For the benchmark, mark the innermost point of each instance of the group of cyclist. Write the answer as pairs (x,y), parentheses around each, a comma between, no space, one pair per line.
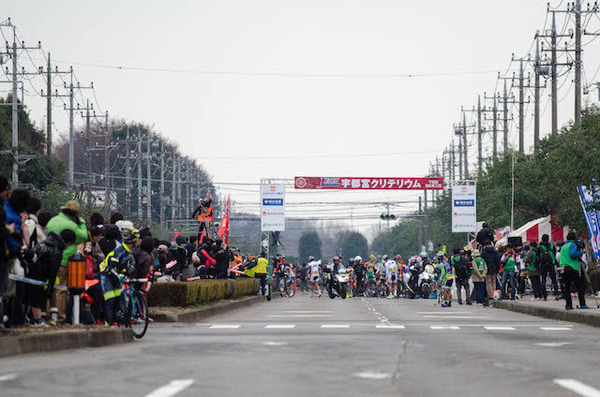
(382,276)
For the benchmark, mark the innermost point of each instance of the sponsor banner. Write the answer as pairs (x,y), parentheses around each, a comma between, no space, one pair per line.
(356,183)
(464,209)
(272,208)
(589,198)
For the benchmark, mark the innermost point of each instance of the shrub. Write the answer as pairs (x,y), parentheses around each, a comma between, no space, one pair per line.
(200,292)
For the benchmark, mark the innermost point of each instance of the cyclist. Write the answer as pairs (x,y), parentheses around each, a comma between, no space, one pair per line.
(447,279)
(391,270)
(112,271)
(359,271)
(314,270)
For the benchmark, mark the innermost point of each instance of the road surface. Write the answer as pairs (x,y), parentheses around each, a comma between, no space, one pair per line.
(320,347)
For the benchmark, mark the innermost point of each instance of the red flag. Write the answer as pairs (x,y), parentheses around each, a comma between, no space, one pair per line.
(224,228)
(176,234)
(202,236)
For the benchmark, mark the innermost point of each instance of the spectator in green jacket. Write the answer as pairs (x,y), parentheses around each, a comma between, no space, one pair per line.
(570,262)
(68,218)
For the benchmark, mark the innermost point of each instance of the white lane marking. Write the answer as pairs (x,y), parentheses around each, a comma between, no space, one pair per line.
(556,329)
(8,377)
(335,325)
(446,312)
(577,387)
(225,326)
(553,344)
(372,375)
(390,326)
(172,388)
(383,319)
(298,315)
(493,328)
(458,317)
(280,326)
(270,343)
(444,327)
(310,311)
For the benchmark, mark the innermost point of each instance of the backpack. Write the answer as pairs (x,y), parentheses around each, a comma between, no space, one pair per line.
(460,267)
(545,259)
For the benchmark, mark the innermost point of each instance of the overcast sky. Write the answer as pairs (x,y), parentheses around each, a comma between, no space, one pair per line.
(281,88)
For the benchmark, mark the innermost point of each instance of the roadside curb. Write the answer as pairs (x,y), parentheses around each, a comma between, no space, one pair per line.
(205,312)
(587,317)
(62,340)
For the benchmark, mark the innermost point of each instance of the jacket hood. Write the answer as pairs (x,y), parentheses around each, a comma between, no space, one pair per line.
(55,241)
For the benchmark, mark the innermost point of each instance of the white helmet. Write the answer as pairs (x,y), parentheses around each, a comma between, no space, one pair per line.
(358,259)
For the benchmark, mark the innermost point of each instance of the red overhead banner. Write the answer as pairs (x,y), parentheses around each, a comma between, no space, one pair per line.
(355,183)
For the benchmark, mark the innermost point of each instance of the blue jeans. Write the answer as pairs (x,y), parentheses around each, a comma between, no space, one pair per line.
(479,291)
(506,275)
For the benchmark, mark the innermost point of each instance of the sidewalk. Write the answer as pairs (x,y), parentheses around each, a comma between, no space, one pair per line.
(554,309)
(39,340)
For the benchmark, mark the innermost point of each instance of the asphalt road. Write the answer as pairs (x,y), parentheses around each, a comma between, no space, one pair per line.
(320,347)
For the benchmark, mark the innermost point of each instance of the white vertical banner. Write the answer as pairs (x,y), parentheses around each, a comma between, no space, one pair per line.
(272,208)
(464,209)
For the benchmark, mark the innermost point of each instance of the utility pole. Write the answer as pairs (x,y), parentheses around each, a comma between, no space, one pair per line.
(538,72)
(420,225)
(49,109)
(425,222)
(521,109)
(107,136)
(479,139)
(578,63)
(465,146)
(127,174)
(575,8)
(174,187)
(88,153)
(14,54)
(553,36)
(140,213)
(162,189)
(149,187)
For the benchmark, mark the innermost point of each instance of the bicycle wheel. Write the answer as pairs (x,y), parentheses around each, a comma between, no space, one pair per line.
(290,289)
(140,319)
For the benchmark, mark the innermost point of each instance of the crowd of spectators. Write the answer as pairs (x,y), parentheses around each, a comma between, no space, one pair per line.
(36,246)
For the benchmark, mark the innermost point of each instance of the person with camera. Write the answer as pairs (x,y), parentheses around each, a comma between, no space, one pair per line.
(570,261)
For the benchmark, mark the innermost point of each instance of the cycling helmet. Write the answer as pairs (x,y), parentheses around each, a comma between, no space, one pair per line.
(129,235)
(372,257)
(336,258)
(311,258)
(440,255)
(398,257)
(384,258)
(424,255)
(412,260)
(358,259)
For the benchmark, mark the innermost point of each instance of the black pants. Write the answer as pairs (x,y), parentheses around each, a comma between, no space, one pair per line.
(571,275)
(535,284)
(549,271)
(263,282)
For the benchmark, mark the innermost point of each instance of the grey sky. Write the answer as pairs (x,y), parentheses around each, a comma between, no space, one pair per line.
(331,91)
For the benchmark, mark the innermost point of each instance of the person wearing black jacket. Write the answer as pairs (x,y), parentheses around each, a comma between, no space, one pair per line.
(492,261)
(484,235)
(43,262)
(223,256)
(547,266)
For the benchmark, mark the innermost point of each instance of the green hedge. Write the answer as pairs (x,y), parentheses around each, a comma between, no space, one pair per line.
(201,291)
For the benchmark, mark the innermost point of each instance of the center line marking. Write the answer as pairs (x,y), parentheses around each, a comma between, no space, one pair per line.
(171,389)
(335,325)
(444,327)
(556,329)
(225,326)
(577,387)
(7,377)
(391,326)
(280,326)
(491,328)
